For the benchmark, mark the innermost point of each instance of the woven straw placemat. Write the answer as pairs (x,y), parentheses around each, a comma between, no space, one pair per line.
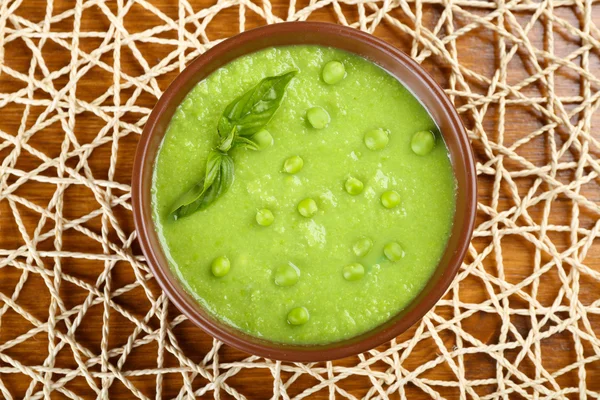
(81,316)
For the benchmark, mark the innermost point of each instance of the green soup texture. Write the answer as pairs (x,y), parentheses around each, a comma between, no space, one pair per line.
(377,225)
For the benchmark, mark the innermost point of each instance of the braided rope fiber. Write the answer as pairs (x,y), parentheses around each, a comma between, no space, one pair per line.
(80,314)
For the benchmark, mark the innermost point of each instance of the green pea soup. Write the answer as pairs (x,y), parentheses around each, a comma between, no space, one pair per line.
(335,225)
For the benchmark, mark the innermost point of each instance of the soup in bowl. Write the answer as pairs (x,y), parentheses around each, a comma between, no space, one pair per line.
(304,191)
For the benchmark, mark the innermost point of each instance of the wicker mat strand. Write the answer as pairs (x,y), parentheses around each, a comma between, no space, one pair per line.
(80,315)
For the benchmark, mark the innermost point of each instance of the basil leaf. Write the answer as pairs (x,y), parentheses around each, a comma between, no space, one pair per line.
(227,141)
(218,179)
(246,143)
(182,204)
(241,119)
(233,113)
(213,164)
(253,110)
(220,185)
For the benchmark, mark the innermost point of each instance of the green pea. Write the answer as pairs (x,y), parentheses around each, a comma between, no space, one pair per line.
(353,272)
(333,72)
(390,199)
(293,165)
(362,246)
(307,207)
(286,275)
(264,217)
(263,139)
(422,143)
(298,316)
(354,186)
(220,266)
(376,139)
(393,251)
(318,117)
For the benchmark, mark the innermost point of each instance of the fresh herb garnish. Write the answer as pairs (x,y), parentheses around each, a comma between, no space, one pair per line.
(242,118)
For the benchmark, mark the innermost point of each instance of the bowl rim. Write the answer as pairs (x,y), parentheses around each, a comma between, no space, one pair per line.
(169,283)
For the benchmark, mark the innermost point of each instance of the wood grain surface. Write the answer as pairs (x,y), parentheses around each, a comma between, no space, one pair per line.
(476,51)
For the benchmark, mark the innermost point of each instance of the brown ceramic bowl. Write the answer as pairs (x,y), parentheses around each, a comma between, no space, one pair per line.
(396,63)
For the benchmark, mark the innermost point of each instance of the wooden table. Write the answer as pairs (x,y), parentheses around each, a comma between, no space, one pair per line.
(58,145)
